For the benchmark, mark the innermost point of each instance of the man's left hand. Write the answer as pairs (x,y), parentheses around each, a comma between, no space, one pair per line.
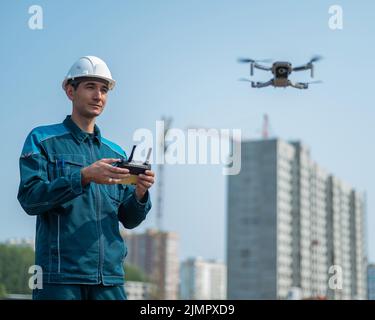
(144,182)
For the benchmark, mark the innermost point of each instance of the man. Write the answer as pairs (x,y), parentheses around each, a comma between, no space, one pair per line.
(69,182)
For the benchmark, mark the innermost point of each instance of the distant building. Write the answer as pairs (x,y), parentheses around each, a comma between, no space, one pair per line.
(294,293)
(23,242)
(18,297)
(292,227)
(371,281)
(203,280)
(136,290)
(155,253)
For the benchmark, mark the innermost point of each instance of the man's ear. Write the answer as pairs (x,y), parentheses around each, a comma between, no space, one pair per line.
(69,90)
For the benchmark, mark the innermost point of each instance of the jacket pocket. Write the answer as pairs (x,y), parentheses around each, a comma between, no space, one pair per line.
(63,165)
(114,192)
(112,197)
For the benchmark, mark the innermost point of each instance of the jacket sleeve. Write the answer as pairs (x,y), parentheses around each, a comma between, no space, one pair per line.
(132,212)
(36,193)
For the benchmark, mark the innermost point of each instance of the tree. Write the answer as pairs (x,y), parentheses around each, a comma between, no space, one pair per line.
(3,292)
(133,273)
(15,262)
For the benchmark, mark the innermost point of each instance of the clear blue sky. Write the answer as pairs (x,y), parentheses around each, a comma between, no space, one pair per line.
(179,58)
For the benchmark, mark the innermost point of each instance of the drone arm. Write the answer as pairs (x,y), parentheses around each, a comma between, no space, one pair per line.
(301,68)
(306,67)
(261,84)
(259,66)
(299,85)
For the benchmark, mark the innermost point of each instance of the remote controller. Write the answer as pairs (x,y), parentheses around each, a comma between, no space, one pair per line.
(135,167)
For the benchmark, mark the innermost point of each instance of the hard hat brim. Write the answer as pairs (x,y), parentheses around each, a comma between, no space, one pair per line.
(111,83)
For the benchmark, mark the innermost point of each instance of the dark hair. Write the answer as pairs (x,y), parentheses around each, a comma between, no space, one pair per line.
(75,82)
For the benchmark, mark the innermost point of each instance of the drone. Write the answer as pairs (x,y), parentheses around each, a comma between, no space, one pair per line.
(281,71)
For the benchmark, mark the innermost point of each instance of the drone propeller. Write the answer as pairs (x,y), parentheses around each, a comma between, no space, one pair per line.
(314,82)
(248,60)
(315,58)
(245,60)
(244,79)
(265,60)
(309,65)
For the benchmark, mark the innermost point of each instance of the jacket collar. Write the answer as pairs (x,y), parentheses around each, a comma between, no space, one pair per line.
(78,134)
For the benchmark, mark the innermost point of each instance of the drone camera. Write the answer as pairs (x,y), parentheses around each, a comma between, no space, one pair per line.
(281,72)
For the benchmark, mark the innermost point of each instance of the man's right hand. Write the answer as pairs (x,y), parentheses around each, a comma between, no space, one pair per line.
(102,172)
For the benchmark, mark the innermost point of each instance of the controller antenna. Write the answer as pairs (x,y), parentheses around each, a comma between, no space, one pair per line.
(148,156)
(131,154)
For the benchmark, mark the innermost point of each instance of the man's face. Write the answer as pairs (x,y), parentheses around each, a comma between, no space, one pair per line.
(89,98)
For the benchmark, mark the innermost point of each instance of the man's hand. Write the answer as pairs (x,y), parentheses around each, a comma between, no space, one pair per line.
(144,182)
(103,172)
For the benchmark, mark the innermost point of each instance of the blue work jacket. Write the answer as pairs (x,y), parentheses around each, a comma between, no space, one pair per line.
(77,228)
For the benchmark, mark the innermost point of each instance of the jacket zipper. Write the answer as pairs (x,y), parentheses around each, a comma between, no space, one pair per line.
(98,201)
(58,226)
(58,244)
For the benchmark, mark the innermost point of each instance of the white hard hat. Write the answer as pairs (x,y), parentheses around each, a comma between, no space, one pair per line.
(89,66)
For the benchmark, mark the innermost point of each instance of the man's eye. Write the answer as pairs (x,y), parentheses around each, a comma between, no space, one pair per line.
(104,90)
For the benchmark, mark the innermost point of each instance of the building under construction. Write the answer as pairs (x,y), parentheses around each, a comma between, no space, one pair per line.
(155,253)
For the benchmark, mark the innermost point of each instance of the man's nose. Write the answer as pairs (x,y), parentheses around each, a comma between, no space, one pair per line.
(97,94)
